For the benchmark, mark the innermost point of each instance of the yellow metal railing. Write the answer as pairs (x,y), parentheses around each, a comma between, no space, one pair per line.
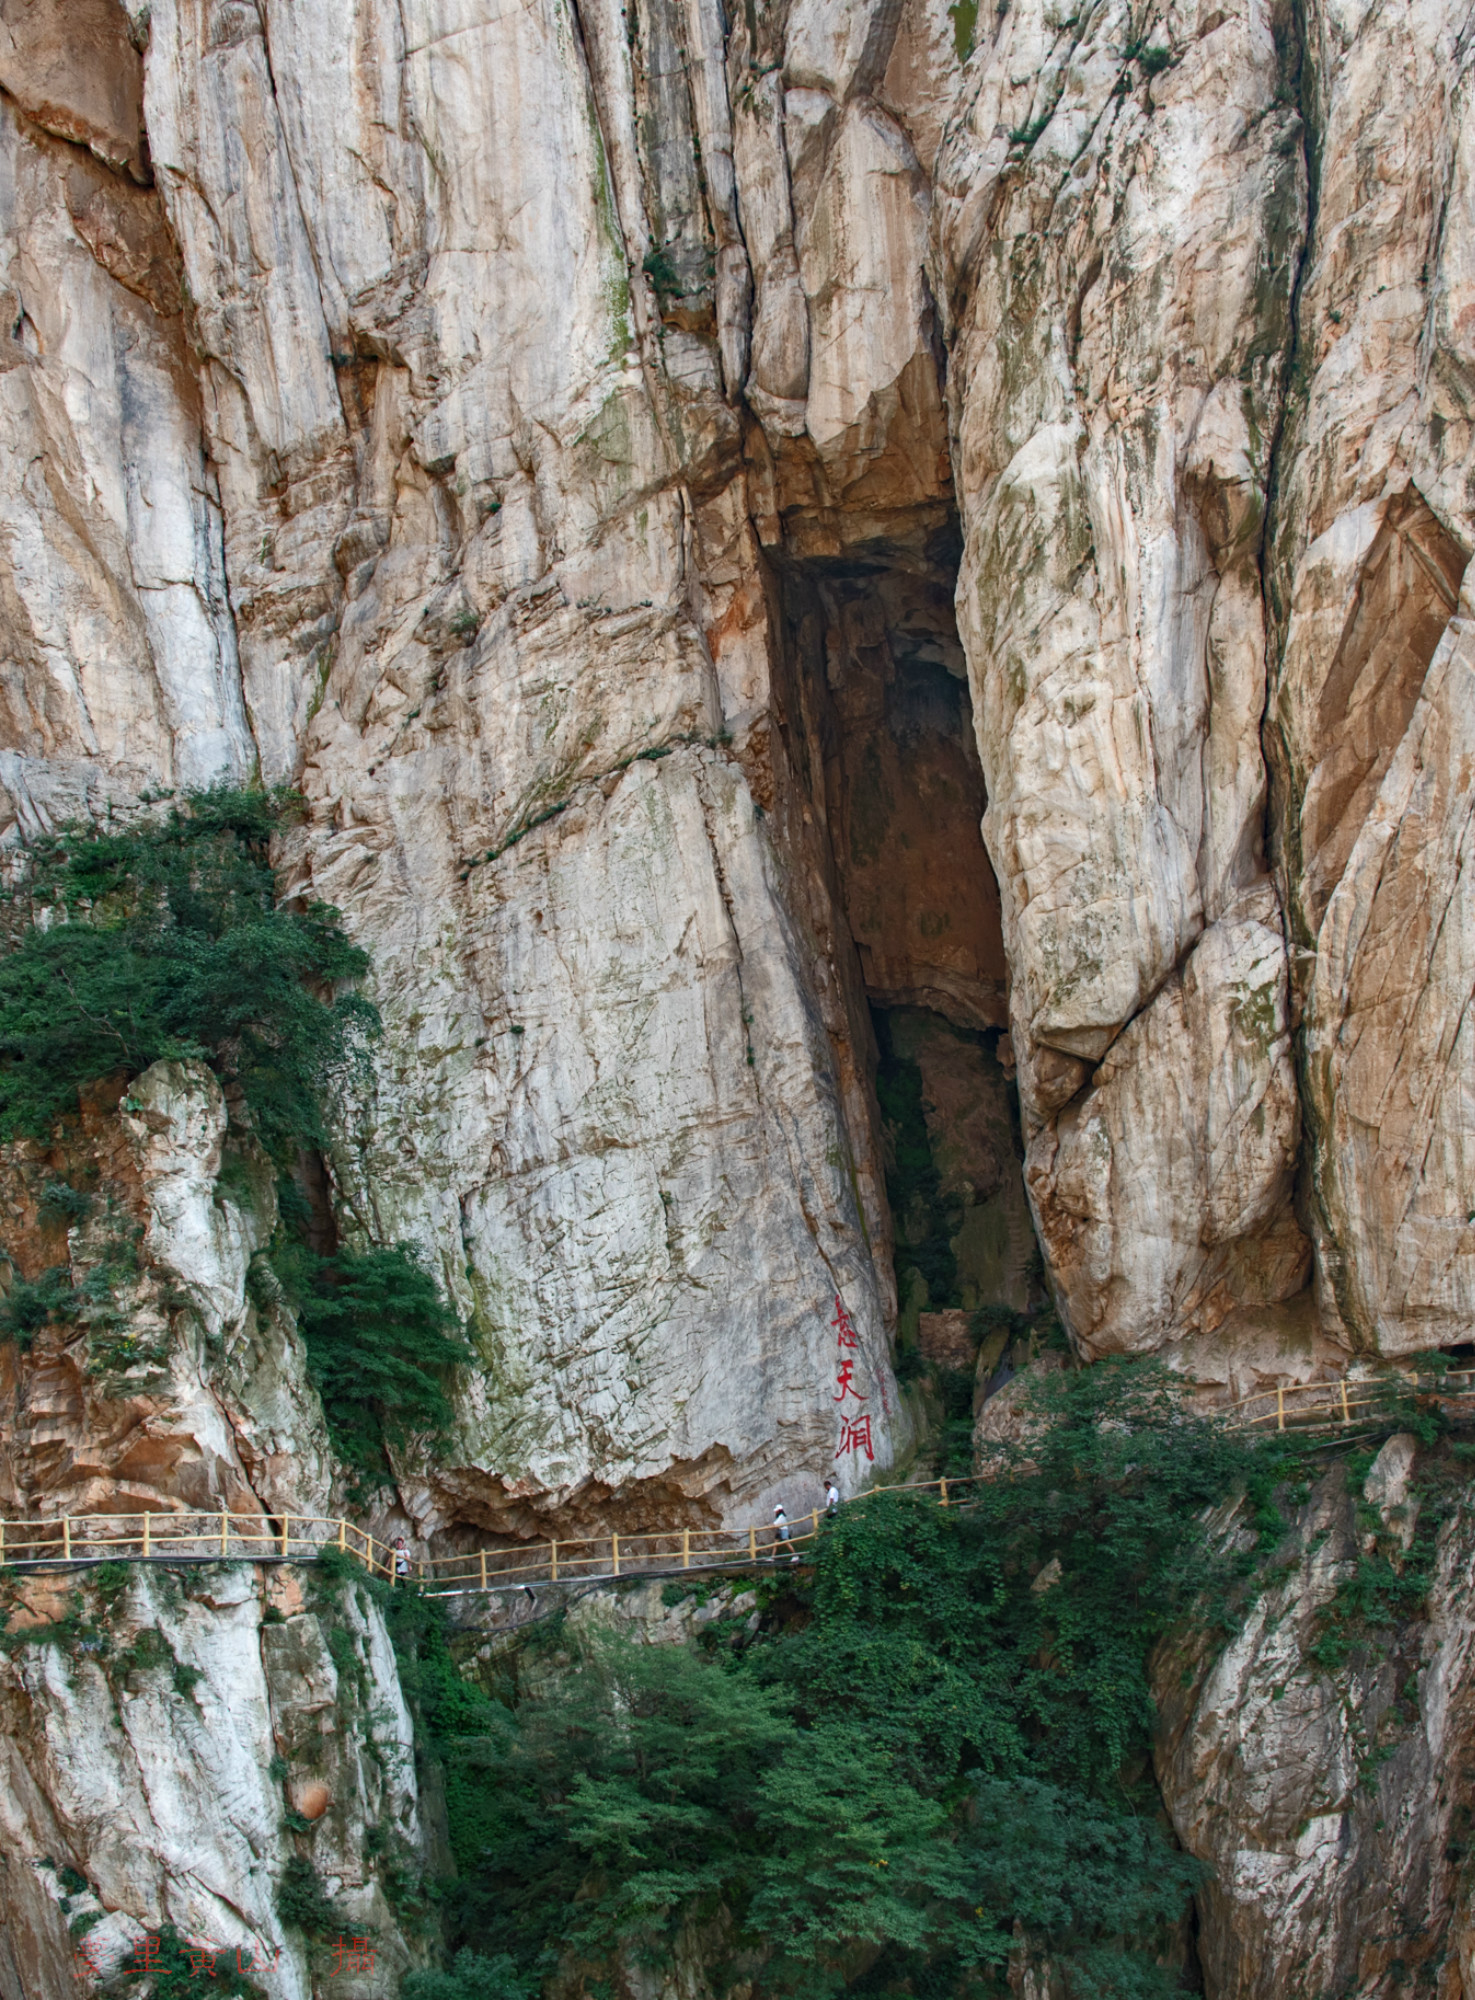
(172,1537)
(1336,1405)
(167,1536)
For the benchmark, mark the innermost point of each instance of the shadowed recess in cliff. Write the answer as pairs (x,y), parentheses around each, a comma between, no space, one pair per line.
(882,687)
(878,717)
(963,1235)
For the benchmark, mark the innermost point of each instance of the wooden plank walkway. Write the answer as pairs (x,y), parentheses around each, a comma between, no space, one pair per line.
(1347,1403)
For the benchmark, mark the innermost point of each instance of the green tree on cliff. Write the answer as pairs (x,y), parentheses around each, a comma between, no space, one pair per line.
(161,935)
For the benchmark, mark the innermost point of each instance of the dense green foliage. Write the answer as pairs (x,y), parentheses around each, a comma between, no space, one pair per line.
(162,936)
(381,1342)
(175,1968)
(934,1753)
(303,1902)
(955,1434)
(470,1978)
(31,1303)
(61,1204)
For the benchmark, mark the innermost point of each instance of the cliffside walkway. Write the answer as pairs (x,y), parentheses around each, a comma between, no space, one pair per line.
(1349,1403)
(77,1539)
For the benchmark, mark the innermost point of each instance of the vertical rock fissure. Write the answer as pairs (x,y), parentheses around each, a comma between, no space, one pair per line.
(1276,613)
(879,731)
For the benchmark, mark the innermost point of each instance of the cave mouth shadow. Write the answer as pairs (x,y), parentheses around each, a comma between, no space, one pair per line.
(878,723)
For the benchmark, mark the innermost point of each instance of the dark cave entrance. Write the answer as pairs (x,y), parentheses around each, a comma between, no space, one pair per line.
(878,725)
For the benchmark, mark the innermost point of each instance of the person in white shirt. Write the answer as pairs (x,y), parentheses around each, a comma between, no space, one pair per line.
(832,1498)
(781,1531)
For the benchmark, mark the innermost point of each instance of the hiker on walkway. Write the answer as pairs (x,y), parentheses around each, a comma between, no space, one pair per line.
(781,1532)
(832,1498)
(401,1561)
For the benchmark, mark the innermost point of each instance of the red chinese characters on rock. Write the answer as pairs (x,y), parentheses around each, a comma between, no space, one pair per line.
(855,1425)
(855,1436)
(355,1956)
(845,1383)
(151,1954)
(845,1333)
(145,1954)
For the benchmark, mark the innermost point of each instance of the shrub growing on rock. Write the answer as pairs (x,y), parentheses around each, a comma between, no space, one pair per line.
(381,1342)
(162,936)
(31,1304)
(175,1967)
(470,1978)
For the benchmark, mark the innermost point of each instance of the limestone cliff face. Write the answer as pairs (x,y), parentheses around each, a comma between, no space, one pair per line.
(1326,1791)
(544,436)
(159,1745)
(656,478)
(1194,479)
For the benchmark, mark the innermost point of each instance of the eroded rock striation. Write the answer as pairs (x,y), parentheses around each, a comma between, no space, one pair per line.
(161,1741)
(733,521)
(552,439)
(1315,1762)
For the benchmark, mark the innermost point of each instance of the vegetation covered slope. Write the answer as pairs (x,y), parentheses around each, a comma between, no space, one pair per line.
(162,934)
(933,1756)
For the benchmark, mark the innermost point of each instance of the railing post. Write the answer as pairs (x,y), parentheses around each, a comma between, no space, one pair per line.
(286,1534)
(1346,1413)
(66,1538)
(483,1569)
(943,1484)
(343,1536)
(1280,1408)
(615,1546)
(752,1545)
(224,1533)
(145,1534)
(2,1545)
(553,1559)
(685,1547)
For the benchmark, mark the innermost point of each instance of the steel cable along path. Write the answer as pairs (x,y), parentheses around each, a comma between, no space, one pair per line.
(81,1539)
